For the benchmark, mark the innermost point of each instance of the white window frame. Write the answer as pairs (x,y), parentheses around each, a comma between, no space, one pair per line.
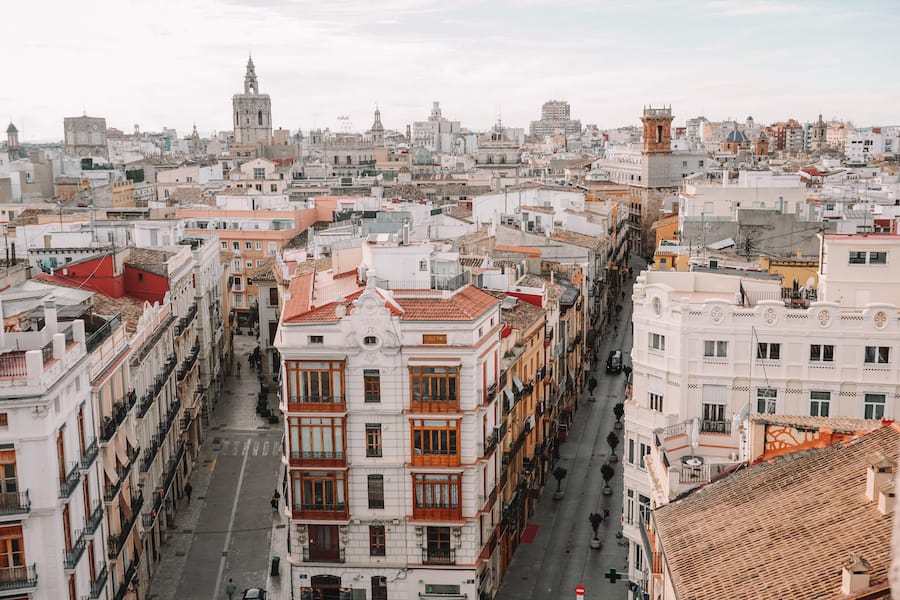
(715,349)
(820,355)
(819,399)
(765,351)
(770,397)
(876,355)
(655,401)
(657,342)
(872,408)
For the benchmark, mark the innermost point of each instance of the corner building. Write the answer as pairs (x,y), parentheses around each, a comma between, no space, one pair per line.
(392,470)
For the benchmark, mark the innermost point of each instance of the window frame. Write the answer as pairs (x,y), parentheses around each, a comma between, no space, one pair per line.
(877,355)
(440,437)
(767,394)
(655,401)
(870,402)
(377,542)
(766,350)
(371,385)
(816,404)
(437,495)
(443,388)
(375,490)
(822,355)
(373,440)
(657,341)
(715,349)
(305,376)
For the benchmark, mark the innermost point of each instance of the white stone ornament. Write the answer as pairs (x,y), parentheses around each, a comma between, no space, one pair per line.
(880,319)
(770,316)
(824,318)
(716,314)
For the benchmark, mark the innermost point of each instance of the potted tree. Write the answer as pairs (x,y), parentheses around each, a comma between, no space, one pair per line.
(595,520)
(607,472)
(559,473)
(619,412)
(613,440)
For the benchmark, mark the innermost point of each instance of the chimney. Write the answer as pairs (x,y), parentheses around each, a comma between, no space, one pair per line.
(886,498)
(50,322)
(854,575)
(878,473)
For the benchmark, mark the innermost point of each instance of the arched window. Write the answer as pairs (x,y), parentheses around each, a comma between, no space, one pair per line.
(259,118)
(237,118)
(659,134)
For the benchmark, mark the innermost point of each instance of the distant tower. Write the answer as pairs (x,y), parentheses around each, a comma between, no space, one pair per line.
(12,137)
(252,112)
(762,144)
(435,111)
(657,130)
(195,141)
(378,130)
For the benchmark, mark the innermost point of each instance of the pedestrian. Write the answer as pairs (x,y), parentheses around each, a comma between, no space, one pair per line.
(275,498)
(230,589)
(187,491)
(239,369)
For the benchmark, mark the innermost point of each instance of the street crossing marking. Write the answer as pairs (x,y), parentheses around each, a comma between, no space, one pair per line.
(248,447)
(255,448)
(265,450)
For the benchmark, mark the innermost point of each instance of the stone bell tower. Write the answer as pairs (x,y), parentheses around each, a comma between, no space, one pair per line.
(252,112)
(657,130)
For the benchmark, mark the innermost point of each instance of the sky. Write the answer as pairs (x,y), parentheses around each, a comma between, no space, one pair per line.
(175,63)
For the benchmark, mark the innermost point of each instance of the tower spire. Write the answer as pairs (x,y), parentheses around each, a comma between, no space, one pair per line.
(251,84)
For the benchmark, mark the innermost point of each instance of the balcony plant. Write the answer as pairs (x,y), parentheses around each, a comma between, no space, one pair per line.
(607,472)
(619,412)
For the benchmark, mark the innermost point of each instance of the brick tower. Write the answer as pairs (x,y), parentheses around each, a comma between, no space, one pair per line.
(657,130)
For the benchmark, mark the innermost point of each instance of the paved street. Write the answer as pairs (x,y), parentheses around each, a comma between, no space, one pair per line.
(226,530)
(560,557)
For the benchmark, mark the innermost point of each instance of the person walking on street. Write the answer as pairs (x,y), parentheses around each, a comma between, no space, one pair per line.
(275,498)
(187,491)
(230,589)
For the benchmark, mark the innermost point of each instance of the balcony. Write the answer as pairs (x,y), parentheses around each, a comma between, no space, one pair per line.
(437,512)
(316,404)
(490,444)
(332,555)
(324,459)
(102,332)
(72,556)
(337,511)
(126,580)
(431,404)
(18,578)
(68,483)
(93,521)
(182,325)
(99,583)
(715,427)
(111,423)
(89,455)
(116,542)
(14,503)
(491,393)
(189,362)
(435,556)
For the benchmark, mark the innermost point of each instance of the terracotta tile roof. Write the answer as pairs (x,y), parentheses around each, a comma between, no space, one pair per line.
(522,317)
(467,304)
(526,250)
(130,308)
(780,529)
(837,424)
(308,266)
(266,270)
(225,257)
(554,290)
(576,239)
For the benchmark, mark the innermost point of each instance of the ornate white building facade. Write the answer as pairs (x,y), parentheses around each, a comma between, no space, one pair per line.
(711,348)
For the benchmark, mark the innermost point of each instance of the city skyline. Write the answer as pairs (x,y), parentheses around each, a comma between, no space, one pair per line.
(720,59)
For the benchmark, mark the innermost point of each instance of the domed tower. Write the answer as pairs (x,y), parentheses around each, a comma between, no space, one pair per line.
(378,130)
(252,112)
(12,137)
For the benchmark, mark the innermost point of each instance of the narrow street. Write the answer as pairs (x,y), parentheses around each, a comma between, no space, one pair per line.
(226,530)
(561,557)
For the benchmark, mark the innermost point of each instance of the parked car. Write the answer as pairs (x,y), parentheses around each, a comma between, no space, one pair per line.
(614,362)
(254,594)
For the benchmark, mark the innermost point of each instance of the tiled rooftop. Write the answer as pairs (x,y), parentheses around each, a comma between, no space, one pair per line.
(780,529)
(522,317)
(837,424)
(576,239)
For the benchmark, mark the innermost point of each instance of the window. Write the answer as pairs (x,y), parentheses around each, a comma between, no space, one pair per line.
(434,388)
(434,338)
(436,494)
(376,491)
(317,339)
(438,549)
(629,506)
(878,354)
(766,400)
(821,353)
(376,546)
(656,402)
(379,588)
(4,420)
(373,439)
(423,265)
(236,245)
(715,398)
(248,245)
(316,438)
(861,257)
(819,404)
(273,187)
(435,441)
(372,385)
(273,296)
(238,300)
(258,245)
(315,382)
(657,342)
(272,248)
(644,451)
(370,340)
(259,173)
(873,407)
(319,491)
(768,351)
(644,508)
(224,245)
(631,450)
(715,349)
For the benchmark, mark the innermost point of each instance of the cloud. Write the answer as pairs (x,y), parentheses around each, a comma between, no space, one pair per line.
(740,8)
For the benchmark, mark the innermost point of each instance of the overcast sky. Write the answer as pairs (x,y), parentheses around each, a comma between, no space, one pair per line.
(178,62)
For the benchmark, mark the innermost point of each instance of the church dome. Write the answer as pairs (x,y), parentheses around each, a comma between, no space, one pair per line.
(737,136)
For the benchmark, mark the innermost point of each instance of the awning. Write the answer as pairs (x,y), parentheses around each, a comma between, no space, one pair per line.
(509,396)
(517,383)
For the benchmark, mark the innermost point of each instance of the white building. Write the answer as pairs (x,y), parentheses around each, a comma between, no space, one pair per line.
(389,429)
(862,145)
(53,542)
(710,348)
